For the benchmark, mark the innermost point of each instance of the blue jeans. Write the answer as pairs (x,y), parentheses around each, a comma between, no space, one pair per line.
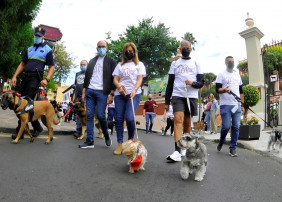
(96,100)
(78,126)
(111,113)
(149,116)
(208,120)
(226,115)
(124,112)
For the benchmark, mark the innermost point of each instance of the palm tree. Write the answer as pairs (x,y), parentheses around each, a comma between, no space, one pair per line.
(189,37)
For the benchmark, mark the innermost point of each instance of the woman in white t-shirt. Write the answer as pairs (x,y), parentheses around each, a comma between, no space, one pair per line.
(128,77)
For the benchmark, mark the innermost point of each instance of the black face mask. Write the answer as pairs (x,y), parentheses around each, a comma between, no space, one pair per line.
(149,99)
(185,52)
(230,65)
(129,55)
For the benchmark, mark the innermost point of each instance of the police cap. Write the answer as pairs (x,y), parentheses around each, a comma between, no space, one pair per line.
(39,31)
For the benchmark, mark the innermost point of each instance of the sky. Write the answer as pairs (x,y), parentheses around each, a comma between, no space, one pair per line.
(214,23)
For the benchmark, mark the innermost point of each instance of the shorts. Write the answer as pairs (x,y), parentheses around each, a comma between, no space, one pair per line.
(179,104)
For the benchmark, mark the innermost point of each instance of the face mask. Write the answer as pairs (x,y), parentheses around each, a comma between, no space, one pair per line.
(230,65)
(83,68)
(150,99)
(185,52)
(129,55)
(37,40)
(102,51)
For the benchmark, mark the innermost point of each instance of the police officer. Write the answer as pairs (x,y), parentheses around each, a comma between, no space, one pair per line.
(32,66)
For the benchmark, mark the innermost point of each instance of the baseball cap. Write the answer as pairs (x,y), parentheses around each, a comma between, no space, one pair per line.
(39,31)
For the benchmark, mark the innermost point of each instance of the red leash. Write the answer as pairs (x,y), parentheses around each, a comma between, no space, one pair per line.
(68,112)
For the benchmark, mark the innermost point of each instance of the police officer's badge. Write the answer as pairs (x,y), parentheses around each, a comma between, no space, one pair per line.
(30,50)
(39,29)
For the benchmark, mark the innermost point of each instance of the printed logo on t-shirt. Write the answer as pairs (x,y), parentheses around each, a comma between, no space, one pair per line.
(128,72)
(182,69)
(80,79)
(231,80)
(98,68)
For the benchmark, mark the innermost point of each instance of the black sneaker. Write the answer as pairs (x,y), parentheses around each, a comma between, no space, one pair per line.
(14,136)
(87,145)
(233,152)
(219,146)
(108,141)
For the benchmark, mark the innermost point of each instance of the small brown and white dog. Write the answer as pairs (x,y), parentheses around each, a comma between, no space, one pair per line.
(80,110)
(136,154)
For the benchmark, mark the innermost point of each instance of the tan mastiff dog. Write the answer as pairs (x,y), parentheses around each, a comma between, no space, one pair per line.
(41,109)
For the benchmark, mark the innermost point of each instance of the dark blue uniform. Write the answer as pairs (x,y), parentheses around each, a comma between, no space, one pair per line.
(35,59)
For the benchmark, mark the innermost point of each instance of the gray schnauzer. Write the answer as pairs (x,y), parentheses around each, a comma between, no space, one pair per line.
(196,157)
(275,139)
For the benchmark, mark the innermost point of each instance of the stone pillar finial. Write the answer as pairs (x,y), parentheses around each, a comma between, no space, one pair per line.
(249,21)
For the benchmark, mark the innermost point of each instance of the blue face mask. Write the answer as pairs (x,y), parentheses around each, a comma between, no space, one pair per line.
(37,40)
(83,68)
(102,51)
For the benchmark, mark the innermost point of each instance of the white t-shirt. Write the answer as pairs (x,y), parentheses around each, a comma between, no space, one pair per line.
(184,70)
(233,80)
(96,81)
(170,112)
(112,105)
(128,73)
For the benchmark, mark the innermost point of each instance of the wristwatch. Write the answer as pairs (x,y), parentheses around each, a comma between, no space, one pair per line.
(112,94)
(47,80)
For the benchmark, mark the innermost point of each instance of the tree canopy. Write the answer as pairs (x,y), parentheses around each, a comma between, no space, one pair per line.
(154,43)
(16,33)
(209,78)
(189,37)
(64,62)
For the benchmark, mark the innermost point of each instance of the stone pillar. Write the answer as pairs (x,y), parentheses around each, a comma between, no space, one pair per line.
(252,36)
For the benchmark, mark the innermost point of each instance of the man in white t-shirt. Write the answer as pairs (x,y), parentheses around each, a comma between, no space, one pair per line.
(226,82)
(98,91)
(185,78)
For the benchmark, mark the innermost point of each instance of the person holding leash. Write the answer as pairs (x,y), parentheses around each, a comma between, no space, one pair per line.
(79,81)
(32,65)
(185,78)
(227,82)
(98,91)
(128,77)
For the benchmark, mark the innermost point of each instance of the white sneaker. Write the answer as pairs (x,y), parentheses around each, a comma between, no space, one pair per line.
(175,156)
(183,152)
(207,132)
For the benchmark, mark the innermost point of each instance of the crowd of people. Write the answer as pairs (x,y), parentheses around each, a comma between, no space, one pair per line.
(103,84)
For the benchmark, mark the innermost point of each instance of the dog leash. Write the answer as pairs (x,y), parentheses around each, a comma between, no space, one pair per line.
(248,108)
(70,108)
(133,111)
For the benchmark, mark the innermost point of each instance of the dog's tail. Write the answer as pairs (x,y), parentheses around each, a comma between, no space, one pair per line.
(57,119)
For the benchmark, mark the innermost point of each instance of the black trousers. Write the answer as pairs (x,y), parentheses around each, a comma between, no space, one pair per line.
(169,124)
(29,87)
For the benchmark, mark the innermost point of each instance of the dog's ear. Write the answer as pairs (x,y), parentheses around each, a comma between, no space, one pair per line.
(200,138)
(139,143)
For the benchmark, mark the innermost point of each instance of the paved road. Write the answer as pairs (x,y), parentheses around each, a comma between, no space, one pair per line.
(62,172)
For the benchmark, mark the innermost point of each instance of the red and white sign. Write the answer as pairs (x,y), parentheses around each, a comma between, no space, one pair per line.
(273,78)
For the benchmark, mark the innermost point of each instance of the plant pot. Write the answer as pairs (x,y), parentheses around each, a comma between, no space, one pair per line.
(249,132)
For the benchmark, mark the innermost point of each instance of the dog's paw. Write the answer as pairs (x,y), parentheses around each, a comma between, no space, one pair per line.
(47,142)
(31,139)
(14,142)
(131,171)
(184,174)
(198,178)
(141,168)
